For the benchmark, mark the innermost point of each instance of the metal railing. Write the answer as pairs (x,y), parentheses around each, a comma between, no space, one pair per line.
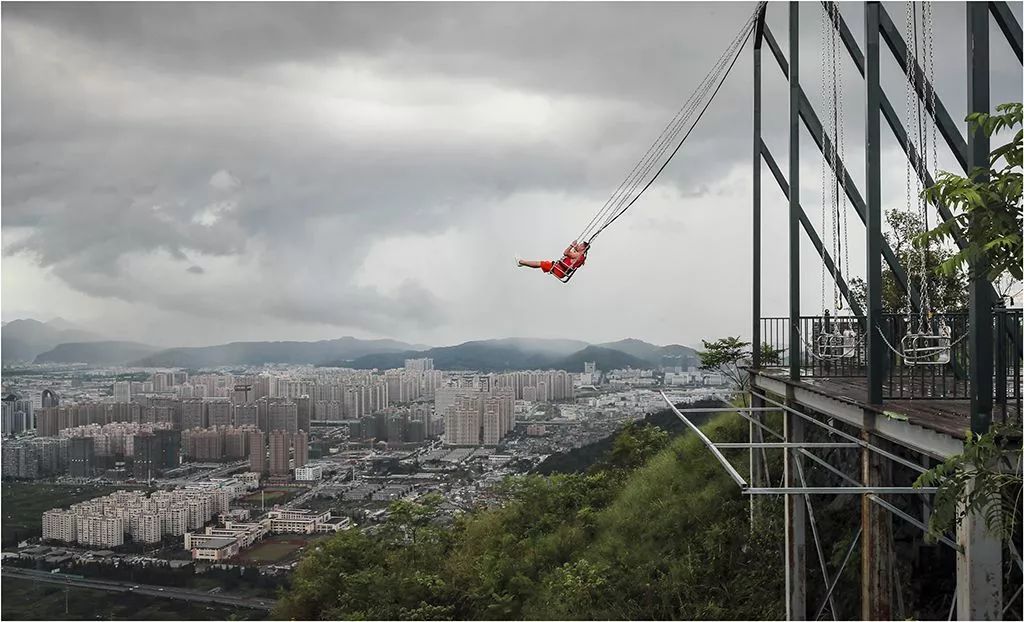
(934,365)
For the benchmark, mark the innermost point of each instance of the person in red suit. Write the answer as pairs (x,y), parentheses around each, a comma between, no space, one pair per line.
(574,256)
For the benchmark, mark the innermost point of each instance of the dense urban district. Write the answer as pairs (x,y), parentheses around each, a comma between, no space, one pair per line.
(176,492)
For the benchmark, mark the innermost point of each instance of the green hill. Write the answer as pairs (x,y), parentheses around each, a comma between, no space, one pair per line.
(656,356)
(656,530)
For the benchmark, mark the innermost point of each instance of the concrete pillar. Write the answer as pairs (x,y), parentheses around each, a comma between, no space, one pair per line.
(796,521)
(979,571)
(876,579)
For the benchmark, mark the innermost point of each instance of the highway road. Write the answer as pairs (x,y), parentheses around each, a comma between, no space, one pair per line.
(177,593)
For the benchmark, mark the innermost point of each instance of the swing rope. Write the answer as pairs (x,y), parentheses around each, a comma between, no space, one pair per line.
(686,118)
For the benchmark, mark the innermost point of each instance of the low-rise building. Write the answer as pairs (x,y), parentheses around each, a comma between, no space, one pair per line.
(309,473)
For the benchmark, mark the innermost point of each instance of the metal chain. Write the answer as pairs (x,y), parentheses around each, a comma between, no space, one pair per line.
(826,104)
(922,205)
(911,139)
(844,233)
(930,38)
(833,181)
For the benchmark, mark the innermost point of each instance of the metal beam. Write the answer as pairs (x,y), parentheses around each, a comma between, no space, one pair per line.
(1008,24)
(824,144)
(876,356)
(842,567)
(812,234)
(817,543)
(794,187)
(707,443)
(785,445)
(840,490)
(943,121)
(730,410)
(850,437)
(879,501)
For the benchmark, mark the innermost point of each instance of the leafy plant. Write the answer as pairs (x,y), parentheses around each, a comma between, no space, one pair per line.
(728,354)
(984,479)
(948,289)
(987,202)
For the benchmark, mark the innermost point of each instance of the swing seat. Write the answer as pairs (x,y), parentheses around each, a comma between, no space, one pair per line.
(926,349)
(563,269)
(837,345)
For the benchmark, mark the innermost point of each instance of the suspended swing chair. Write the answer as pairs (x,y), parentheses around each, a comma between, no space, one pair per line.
(839,337)
(929,339)
(654,161)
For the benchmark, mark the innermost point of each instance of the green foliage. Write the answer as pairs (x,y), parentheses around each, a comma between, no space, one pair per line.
(985,478)
(727,354)
(655,531)
(724,356)
(770,356)
(948,289)
(635,445)
(986,203)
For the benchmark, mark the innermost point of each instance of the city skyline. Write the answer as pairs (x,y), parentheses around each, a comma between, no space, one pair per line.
(304,176)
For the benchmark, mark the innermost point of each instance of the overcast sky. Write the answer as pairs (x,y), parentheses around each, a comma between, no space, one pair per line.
(186,174)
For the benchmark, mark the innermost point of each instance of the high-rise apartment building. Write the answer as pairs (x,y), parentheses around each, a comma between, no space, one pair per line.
(282,416)
(257,452)
(481,413)
(279,449)
(303,412)
(300,442)
(219,413)
(246,415)
(81,457)
(423,364)
(193,414)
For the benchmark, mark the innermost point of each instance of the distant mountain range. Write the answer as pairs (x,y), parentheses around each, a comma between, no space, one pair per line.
(517,354)
(97,353)
(260,352)
(24,340)
(59,341)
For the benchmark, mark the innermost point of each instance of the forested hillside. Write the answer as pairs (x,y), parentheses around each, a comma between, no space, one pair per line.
(654,530)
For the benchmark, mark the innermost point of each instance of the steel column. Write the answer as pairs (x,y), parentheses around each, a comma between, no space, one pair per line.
(794,189)
(755,269)
(979,567)
(980,302)
(873,186)
(755,467)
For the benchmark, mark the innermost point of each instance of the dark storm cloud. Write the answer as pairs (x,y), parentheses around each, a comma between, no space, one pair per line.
(270,147)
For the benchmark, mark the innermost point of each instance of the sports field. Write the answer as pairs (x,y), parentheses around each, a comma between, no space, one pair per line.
(276,549)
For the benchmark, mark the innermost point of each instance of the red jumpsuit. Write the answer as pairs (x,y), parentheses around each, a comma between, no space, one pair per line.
(563,266)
